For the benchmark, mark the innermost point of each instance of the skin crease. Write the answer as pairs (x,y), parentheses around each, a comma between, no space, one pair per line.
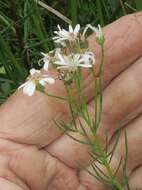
(34,155)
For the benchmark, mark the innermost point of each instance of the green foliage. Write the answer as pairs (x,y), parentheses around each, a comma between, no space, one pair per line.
(26,29)
(138,4)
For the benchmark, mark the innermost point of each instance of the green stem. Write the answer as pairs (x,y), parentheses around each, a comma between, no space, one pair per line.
(53,96)
(98,113)
(98,90)
(101,69)
(71,103)
(104,159)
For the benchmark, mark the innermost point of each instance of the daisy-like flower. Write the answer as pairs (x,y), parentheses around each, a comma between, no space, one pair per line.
(87,58)
(46,60)
(97,30)
(64,35)
(35,78)
(73,61)
(48,57)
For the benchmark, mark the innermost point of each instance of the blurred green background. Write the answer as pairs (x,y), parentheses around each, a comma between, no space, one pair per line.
(26,29)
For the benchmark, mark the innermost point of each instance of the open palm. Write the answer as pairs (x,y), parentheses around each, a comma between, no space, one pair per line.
(36,155)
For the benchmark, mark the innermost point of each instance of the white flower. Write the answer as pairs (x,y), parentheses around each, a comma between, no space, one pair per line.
(72,62)
(88,58)
(97,30)
(46,60)
(48,57)
(35,78)
(64,35)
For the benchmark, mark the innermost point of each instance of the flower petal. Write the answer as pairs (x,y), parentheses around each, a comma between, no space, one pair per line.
(77,28)
(70,29)
(44,54)
(46,64)
(61,58)
(59,63)
(49,80)
(42,82)
(59,27)
(22,85)
(29,88)
(63,67)
(85,65)
(33,71)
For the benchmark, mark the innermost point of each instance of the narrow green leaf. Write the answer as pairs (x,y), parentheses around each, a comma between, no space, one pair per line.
(73,11)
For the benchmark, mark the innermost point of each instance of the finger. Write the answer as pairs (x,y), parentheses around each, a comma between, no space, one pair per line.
(122,99)
(30,120)
(26,166)
(134,134)
(7,173)
(135,180)
(119,53)
(122,102)
(88,177)
(31,168)
(7,185)
(89,181)
(35,168)
(8,178)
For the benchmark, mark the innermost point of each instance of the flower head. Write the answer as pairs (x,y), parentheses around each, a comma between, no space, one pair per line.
(35,78)
(63,35)
(99,35)
(49,57)
(46,60)
(73,61)
(97,30)
(88,58)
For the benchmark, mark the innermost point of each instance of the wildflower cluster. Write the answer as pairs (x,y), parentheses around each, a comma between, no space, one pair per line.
(70,54)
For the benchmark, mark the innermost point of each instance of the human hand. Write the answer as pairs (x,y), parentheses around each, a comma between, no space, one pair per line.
(36,155)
